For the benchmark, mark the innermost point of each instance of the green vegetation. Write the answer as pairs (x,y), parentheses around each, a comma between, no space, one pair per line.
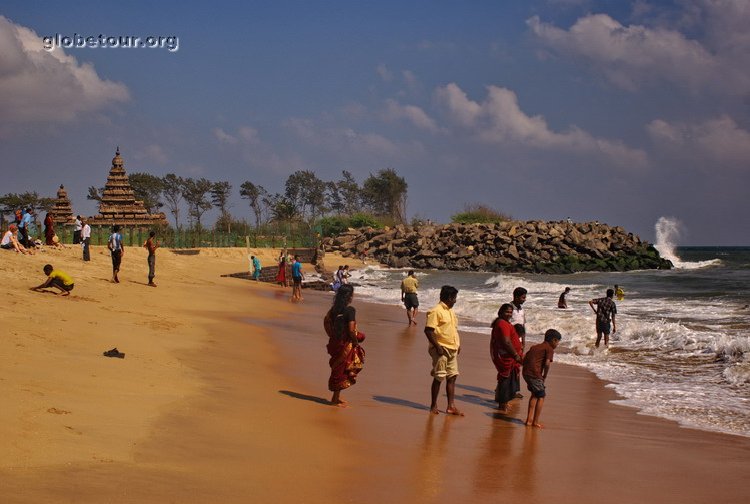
(478,213)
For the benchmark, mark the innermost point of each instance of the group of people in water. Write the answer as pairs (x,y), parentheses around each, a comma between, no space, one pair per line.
(508,351)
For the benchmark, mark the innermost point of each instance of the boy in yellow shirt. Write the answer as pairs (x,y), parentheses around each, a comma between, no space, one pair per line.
(57,279)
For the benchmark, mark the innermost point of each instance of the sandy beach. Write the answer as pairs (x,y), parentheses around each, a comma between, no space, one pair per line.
(222,397)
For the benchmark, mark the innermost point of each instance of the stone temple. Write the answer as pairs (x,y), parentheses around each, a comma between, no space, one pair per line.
(118,204)
(63,212)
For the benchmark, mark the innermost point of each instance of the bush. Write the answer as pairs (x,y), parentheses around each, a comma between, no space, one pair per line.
(478,213)
(335,225)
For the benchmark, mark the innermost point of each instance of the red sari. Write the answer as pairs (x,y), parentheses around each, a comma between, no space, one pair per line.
(347,359)
(49,230)
(281,275)
(508,369)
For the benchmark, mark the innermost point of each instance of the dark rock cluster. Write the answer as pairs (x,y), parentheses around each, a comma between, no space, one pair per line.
(513,246)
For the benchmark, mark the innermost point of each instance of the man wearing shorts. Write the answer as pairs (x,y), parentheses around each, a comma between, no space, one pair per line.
(297,277)
(605,313)
(409,297)
(441,330)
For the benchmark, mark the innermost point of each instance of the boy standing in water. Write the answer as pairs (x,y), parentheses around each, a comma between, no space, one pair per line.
(536,366)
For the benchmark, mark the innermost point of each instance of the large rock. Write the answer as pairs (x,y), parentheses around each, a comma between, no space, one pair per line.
(534,246)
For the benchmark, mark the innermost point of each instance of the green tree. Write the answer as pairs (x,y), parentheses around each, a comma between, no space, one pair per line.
(196,193)
(350,193)
(147,188)
(255,194)
(385,194)
(220,192)
(172,192)
(11,202)
(305,191)
(333,198)
(95,194)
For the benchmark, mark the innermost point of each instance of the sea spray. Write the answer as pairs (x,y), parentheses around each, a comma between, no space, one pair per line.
(669,230)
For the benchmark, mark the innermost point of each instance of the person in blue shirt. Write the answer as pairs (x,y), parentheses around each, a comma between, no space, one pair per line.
(117,249)
(23,227)
(297,277)
(256,268)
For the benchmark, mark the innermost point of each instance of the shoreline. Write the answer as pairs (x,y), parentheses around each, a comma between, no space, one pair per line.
(256,427)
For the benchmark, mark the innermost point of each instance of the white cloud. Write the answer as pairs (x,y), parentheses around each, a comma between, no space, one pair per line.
(224,137)
(154,153)
(718,141)
(410,113)
(385,74)
(632,55)
(340,139)
(244,135)
(41,86)
(499,119)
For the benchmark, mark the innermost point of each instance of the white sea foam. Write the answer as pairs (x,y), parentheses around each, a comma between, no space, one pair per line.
(668,232)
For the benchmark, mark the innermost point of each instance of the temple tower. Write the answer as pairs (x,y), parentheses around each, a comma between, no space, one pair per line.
(118,204)
(63,212)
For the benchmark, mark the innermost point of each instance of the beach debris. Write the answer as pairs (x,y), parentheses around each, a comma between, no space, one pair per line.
(114,353)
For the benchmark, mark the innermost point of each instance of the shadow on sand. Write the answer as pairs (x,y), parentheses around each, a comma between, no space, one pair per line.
(401,402)
(304,397)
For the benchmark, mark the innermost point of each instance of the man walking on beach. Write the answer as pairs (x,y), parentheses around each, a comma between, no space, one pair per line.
(23,227)
(441,330)
(117,250)
(297,277)
(605,312)
(409,297)
(519,316)
(85,239)
(151,245)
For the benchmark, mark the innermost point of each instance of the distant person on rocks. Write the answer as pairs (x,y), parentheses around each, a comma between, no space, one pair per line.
(605,310)
(117,250)
(297,277)
(409,286)
(519,316)
(10,241)
(347,356)
(337,279)
(151,245)
(441,330)
(619,293)
(256,267)
(562,302)
(57,279)
(536,366)
(345,275)
(86,239)
(506,355)
(77,227)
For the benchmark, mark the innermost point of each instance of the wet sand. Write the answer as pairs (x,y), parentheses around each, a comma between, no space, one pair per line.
(222,398)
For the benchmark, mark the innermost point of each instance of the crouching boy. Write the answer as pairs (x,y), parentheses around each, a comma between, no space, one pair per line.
(57,279)
(536,364)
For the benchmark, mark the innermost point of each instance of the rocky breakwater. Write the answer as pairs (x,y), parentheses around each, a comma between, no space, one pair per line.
(532,246)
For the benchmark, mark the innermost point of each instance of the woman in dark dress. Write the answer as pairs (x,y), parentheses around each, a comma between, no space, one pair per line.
(347,356)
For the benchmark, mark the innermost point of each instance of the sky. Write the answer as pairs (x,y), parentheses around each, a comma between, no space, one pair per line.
(617,111)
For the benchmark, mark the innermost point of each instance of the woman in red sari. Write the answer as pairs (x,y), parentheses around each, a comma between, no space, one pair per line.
(347,356)
(507,355)
(49,229)
(281,275)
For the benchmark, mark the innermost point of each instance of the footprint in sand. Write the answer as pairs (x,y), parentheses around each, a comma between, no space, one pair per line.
(56,411)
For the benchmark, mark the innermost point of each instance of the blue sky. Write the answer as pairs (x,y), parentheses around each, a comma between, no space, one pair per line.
(615,111)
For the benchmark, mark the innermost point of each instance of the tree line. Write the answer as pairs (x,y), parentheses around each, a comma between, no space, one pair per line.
(305,198)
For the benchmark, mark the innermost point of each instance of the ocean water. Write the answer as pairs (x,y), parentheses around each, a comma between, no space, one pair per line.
(682,348)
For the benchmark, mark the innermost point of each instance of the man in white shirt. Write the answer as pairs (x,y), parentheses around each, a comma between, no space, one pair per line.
(85,239)
(519,316)
(77,227)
